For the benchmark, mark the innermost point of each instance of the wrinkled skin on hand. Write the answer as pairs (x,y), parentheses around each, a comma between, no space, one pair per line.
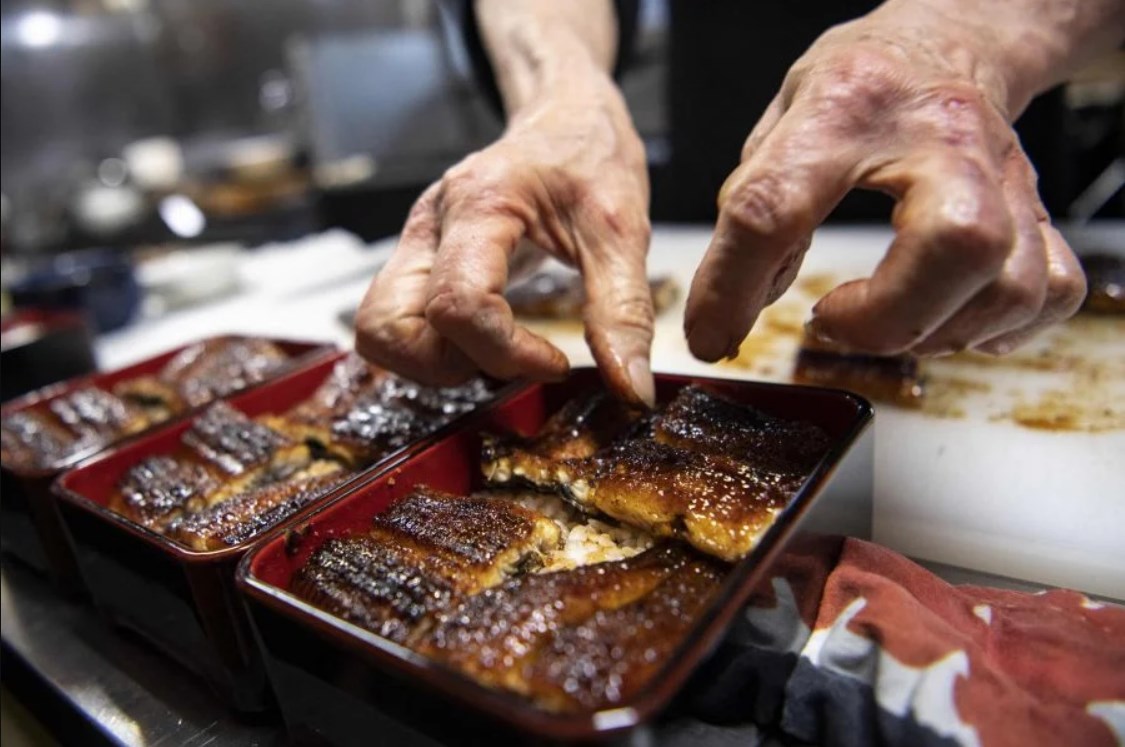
(571,179)
(908,105)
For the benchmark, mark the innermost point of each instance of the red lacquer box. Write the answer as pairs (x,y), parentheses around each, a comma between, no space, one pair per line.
(29,524)
(183,600)
(338,683)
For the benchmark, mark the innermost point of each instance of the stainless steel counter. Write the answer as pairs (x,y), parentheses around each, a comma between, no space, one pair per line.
(90,683)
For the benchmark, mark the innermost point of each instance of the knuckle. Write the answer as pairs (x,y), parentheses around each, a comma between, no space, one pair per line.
(1065,293)
(619,217)
(453,304)
(422,207)
(459,177)
(635,312)
(487,184)
(386,342)
(630,312)
(766,205)
(391,340)
(1016,299)
(854,85)
(959,116)
(973,234)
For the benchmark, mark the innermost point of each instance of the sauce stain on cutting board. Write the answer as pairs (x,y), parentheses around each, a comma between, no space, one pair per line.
(1071,378)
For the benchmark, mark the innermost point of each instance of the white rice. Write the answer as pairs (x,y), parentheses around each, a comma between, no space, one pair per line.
(585,540)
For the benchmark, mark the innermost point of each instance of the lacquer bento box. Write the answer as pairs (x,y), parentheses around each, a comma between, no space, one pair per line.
(555,566)
(157,525)
(50,430)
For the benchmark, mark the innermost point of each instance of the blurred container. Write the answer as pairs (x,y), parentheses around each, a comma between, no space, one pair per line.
(30,528)
(39,347)
(182,600)
(97,282)
(185,277)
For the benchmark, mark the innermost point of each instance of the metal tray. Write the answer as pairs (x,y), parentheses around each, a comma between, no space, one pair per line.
(339,683)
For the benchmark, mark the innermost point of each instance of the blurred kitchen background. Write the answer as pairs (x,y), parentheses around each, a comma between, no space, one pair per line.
(133,130)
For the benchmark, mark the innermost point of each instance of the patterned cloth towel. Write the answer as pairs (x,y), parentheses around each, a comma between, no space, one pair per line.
(853,644)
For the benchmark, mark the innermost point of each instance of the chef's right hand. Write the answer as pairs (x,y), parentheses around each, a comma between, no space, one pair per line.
(916,100)
(569,175)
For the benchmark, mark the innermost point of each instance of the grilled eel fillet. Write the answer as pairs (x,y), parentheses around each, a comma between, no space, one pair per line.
(362,413)
(578,639)
(236,476)
(159,490)
(894,379)
(245,452)
(83,419)
(229,469)
(706,470)
(784,450)
(203,373)
(422,554)
(243,516)
(584,426)
(215,368)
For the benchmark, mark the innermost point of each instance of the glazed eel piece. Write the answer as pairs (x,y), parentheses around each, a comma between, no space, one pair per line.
(420,555)
(362,413)
(42,436)
(243,516)
(583,427)
(160,490)
(577,639)
(707,470)
(202,373)
(235,476)
(894,379)
(229,467)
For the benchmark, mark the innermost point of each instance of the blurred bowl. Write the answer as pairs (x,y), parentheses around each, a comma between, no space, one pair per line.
(97,282)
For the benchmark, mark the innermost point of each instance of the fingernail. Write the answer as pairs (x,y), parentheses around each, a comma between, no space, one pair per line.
(734,350)
(814,328)
(996,348)
(640,375)
(708,344)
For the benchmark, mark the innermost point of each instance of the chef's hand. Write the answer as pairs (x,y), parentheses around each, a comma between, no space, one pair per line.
(569,175)
(915,100)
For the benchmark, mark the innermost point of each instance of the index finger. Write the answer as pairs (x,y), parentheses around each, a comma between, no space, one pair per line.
(769,208)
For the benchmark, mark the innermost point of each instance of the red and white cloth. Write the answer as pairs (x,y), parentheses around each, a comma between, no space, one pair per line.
(852,644)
